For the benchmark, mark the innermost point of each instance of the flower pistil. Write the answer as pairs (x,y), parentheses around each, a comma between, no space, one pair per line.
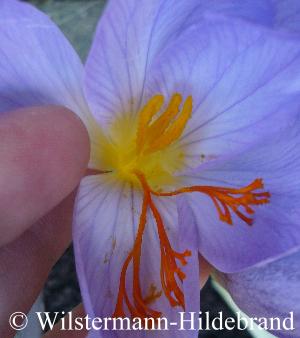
(151,139)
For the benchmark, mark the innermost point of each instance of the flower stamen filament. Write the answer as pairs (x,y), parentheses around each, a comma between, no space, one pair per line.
(145,161)
(167,128)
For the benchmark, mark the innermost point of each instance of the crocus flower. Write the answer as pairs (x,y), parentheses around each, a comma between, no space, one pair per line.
(193,119)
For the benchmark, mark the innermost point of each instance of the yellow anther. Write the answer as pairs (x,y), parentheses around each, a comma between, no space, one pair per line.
(151,108)
(174,131)
(159,126)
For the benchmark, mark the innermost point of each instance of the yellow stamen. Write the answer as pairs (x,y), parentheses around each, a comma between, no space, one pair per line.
(159,126)
(151,108)
(144,153)
(170,273)
(174,130)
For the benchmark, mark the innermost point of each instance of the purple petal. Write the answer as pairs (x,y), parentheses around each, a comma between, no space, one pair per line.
(269,291)
(276,228)
(103,235)
(180,239)
(188,240)
(105,224)
(243,79)
(287,15)
(258,11)
(38,66)
(279,14)
(129,37)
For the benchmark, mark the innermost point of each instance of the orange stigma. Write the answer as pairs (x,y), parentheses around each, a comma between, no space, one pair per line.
(169,267)
(154,136)
(227,200)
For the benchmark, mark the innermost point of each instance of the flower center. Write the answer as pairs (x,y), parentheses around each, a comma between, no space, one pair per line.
(149,142)
(145,151)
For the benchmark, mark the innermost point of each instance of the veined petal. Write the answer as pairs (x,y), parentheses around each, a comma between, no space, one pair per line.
(243,79)
(38,66)
(287,15)
(276,227)
(189,239)
(279,14)
(102,230)
(269,291)
(180,239)
(258,11)
(105,225)
(130,35)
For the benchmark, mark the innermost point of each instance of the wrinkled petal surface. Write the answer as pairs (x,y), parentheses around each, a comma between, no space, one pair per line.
(269,291)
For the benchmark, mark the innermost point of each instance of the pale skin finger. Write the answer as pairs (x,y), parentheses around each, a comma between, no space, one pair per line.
(42,163)
(25,263)
(44,152)
(33,254)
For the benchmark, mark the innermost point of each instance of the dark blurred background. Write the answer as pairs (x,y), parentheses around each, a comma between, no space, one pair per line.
(77,19)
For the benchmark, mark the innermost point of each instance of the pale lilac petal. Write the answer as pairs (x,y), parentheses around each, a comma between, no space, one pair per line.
(269,291)
(103,235)
(189,240)
(279,14)
(243,78)
(276,228)
(287,15)
(180,239)
(258,11)
(94,334)
(38,66)
(130,36)
(105,224)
